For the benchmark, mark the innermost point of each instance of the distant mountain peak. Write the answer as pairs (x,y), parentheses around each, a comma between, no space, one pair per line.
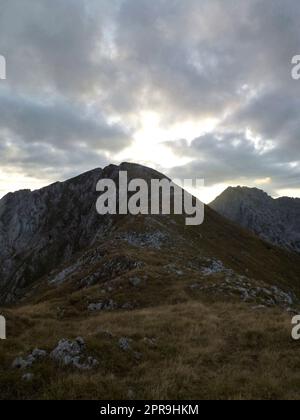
(247,191)
(274,220)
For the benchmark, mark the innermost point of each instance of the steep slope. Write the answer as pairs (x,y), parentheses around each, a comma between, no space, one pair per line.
(162,310)
(274,220)
(41,229)
(52,227)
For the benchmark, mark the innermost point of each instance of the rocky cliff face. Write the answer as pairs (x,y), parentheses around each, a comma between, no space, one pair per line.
(42,229)
(274,220)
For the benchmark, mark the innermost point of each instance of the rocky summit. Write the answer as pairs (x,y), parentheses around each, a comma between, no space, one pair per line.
(140,307)
(274,220)
(39,230)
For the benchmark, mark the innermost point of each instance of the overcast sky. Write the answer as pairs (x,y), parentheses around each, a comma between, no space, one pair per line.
(194,88)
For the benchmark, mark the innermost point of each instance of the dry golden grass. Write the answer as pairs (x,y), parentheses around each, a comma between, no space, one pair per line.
(202,351)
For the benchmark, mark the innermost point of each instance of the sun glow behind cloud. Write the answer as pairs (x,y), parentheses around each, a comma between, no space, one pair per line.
(128,76)
(152,127)
(152,133)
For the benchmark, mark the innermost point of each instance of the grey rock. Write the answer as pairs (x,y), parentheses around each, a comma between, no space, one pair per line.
(95,307)
(124,344)
(91,362)
(213,267)
(80,341)
(108,305)
(20,363)
(274,220)
(64,274)
(67,348)
(39,354)
(72,353)
(246,288)
(154,239)
(114,267)
(171,268)
(28,361)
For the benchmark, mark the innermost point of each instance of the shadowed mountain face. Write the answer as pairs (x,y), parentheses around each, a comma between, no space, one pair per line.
(42,229)
(146,296)
(274,220)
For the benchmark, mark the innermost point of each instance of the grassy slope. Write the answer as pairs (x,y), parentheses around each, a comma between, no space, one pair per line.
(206,346)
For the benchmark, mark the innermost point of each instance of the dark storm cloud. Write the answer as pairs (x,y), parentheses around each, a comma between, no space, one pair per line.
(233,158)
(60,124)
(197,58)
(53,45)
(44,138)
(41,161)
(72,65)
(275,115)
(48,121)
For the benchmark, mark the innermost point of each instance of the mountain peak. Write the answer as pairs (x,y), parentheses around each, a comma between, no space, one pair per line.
(274,220)
(46,227)
(247,191)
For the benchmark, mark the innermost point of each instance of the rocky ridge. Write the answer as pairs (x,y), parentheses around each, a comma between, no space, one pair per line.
(274,220)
